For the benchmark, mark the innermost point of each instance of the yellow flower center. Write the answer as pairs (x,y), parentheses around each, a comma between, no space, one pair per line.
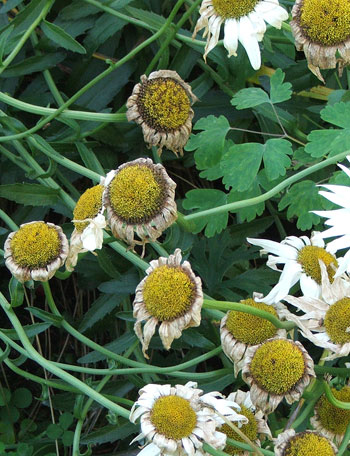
(250,430)
(277,366)
(88,206)
(168,293)
(35,245)
(173,417)
(334,419)
(337,321)
(229,9)
(326,21)
(308,444)
(164,104)
(248,328)
(137,193)
(308,257)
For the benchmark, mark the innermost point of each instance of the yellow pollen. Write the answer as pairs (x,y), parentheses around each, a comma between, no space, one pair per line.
(277,366)
(88,206)
(326,22)
(168,293)
(248,328)
(308,444)
(308,257)
(173,417)
(229,9)
(250,430)
(35,245)
(334,419)
(164,104)
(337,321)
(137,193)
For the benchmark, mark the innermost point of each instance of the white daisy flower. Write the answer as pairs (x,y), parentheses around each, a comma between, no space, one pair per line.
(244,22)
(300,256)
(177,420)
(326,321)
(338,220)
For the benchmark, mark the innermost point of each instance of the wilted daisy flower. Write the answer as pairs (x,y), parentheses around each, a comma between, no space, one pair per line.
(321,29)
(326,321)
(329,420)
(240,330)
(255,429)
(307,443)
(161,104)
(244,22)
(140,199)
(171,295)
(300,256)
(35,251)
(339,220)
(89,222)
(178,419)
(277,369)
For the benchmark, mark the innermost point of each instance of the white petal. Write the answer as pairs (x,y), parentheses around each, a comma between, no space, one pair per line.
(344,264)
(290,275)
(344,168)
(150,450)
(309,287)
(274,247)
(231,36)
(249,40)
(338,244)
(337,198)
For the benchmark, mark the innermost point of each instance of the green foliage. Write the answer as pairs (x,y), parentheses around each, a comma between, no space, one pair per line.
(29,194)
(63,39)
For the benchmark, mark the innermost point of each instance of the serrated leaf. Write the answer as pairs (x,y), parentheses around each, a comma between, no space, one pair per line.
(103,305)
(33,64)
(55,320)
(240,165)
(30,330)
(3,40)
(203,199)
(109,433)
(62,38)
(30,194)
(279,91)
(337,114)
(89,158)
(248,98)
(125,285)
(300,206)
(210,142)
(276,158)
(248,213)
(117,346)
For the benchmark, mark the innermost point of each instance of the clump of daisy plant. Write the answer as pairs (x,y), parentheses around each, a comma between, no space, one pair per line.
(139,198)
(240,330)
(170,295)
(301,258)
(307,443)
(89,222)
(161,104)
(179,419)
(35,251)
(321,29)
(277,369)
(244,21)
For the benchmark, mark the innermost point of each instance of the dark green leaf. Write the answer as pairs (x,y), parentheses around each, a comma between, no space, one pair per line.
(109,433)
(248,98)
(247,213)
(22,398)
(103,305)
(30,330)
(33,64)
(125,285)
(117,346)
(337,114)
(16,292)
(30,194)
(89,158)
(3,41)
(62,38)
(276,158)
(48,317)
(65,420)
(280,91)
(54,431)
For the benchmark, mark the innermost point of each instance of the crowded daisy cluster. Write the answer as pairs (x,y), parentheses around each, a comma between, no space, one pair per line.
(285,350)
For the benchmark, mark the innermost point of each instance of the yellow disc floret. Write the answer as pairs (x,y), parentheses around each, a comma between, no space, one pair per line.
(326,22)
(229,9)
(88,206)
(35,245)
(337,321)
(168,292)
(248,328)
(334,419)
(308,257)
(173,417)
(164,104)
(308,444)
(277,366)
(250,430)
(136,194)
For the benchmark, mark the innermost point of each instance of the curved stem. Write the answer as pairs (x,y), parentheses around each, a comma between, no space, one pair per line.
(332,399)
(226,305)
(345,441)
(54,369)
(8,220)
(231,207)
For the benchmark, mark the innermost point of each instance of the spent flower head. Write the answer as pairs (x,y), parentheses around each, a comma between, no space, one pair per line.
(307,443)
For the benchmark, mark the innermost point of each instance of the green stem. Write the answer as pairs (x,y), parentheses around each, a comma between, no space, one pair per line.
(338,371)
(129,255)
(8,220)
(226,305)
(231,207)
(54,369)
(332,399)
(26,35)
(98,78)
(345,442)
(77,115)
(305,413)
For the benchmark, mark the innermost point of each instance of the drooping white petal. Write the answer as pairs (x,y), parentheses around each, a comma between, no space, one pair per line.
(309,287)
(248,37)
(92,236)
(340,198)
(344,264)
(290,275)
(274,247)
(273,16)
(231,36)
(150,450)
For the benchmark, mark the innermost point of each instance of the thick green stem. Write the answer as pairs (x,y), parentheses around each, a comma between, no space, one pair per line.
(332,399)
(226,305)
(338,371)
(8,220)
(265,196)
(345,441)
